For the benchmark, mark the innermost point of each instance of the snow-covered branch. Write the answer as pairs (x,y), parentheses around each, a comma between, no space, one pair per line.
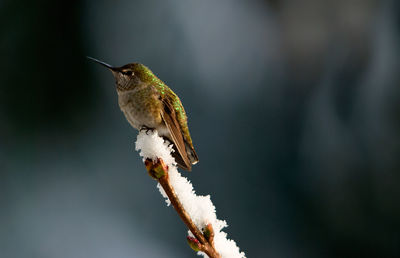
(205,233)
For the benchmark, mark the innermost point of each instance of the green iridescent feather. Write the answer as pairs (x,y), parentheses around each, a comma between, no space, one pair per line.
(149,77)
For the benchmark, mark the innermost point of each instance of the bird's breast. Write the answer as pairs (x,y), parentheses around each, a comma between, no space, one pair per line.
(141,107)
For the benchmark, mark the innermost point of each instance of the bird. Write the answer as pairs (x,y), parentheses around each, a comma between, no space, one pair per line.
(148,104)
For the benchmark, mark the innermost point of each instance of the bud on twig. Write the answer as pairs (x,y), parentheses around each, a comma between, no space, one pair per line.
(194,243)
(209,234)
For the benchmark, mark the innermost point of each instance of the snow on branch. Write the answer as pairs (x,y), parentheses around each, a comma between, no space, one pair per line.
(205,233)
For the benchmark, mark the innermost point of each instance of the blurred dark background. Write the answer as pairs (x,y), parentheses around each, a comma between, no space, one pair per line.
(293,107)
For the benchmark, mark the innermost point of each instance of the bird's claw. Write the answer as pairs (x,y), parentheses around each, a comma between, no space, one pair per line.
(146,129)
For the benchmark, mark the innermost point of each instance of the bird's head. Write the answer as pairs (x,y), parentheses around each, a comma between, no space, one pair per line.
(130,75)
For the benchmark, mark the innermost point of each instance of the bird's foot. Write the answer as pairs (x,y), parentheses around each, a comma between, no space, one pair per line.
(146,129)
(167,141)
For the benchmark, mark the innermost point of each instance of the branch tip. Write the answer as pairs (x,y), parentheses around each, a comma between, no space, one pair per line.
(202,241)
(156,169)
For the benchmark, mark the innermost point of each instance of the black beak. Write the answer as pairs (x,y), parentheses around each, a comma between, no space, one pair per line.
(102,63)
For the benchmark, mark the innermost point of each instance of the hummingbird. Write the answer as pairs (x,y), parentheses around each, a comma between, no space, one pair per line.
(148,103)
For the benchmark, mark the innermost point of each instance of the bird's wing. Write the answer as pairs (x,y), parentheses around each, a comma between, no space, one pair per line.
(170,119)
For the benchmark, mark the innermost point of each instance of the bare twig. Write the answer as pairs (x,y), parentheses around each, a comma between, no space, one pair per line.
(159,171)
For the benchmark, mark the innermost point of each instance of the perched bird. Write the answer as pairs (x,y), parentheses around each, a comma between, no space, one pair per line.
(148,103)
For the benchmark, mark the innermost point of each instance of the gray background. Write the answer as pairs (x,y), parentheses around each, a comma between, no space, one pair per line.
(293,107)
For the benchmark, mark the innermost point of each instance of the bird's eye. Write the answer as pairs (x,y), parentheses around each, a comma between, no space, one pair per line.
(129,73)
